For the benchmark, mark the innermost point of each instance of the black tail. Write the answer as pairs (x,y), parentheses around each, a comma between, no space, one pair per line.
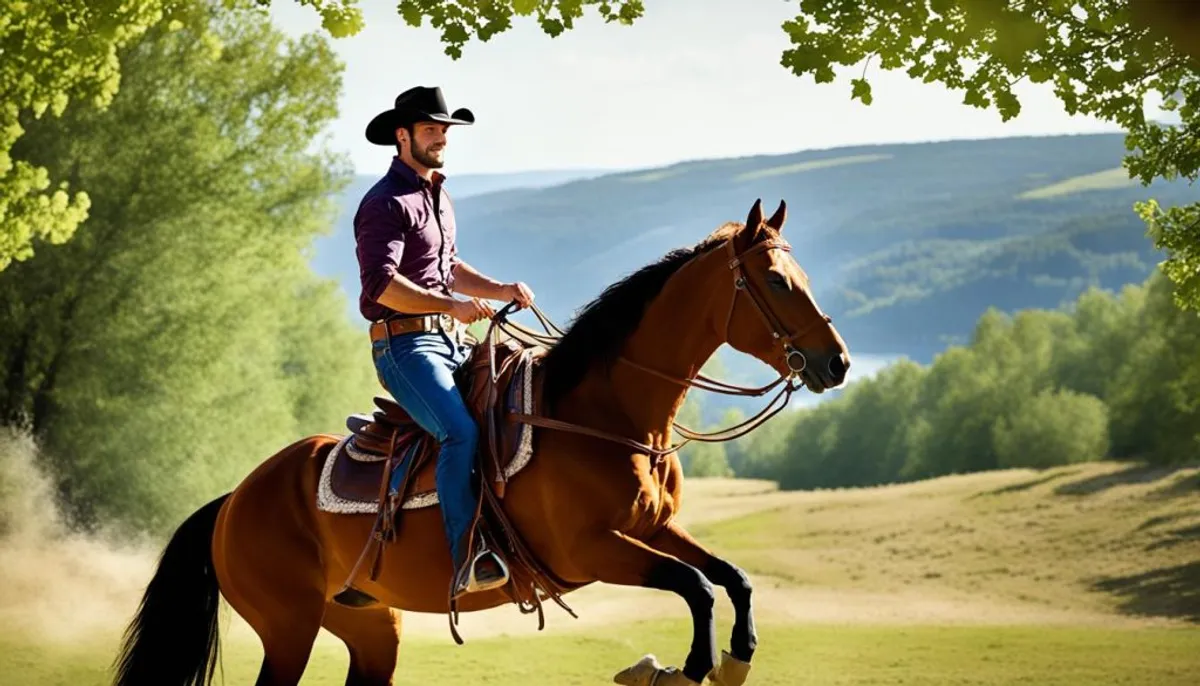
(173,639)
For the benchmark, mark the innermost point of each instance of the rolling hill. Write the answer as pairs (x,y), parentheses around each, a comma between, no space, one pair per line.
(906,244)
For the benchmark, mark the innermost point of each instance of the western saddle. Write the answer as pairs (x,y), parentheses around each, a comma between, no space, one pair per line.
(387,463)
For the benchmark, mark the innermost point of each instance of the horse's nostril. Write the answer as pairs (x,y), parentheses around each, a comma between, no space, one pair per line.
(838,366)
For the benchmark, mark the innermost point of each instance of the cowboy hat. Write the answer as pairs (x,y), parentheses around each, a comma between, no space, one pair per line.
(413,105)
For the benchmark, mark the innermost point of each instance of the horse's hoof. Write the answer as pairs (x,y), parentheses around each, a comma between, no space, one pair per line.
(648,672)
(731,671)
(640,674)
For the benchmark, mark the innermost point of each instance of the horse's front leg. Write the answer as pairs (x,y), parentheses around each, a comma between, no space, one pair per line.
(611,557)
(735,663)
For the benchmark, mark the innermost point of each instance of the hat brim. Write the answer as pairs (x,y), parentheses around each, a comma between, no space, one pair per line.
(382,128)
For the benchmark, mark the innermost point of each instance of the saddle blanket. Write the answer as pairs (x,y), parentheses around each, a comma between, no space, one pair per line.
(350,478)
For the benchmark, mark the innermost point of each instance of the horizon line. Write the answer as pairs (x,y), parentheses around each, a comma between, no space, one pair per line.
(604,170)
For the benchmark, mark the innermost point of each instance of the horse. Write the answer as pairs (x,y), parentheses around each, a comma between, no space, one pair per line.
(595,503)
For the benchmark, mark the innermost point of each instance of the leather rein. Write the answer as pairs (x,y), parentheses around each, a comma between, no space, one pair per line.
(795,359)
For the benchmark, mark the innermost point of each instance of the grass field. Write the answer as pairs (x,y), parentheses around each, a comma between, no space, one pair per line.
(788,655)
(1101,180)
(1087,574)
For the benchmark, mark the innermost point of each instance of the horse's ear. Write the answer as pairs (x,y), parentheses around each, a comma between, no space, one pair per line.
(755,219)
(776,221)
(745,237)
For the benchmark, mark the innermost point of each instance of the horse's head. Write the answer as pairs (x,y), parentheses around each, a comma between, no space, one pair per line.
(772,313)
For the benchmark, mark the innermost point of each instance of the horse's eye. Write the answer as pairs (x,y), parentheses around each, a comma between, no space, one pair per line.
(778,281)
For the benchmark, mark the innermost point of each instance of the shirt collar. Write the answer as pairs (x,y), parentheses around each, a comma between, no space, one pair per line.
(408,176)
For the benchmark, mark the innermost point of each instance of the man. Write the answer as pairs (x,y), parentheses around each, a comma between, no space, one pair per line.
(410,273)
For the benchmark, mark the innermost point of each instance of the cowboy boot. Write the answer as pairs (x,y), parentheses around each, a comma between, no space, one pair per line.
(648,672)
(730,672)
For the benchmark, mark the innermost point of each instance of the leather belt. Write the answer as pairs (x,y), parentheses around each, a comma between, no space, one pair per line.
(401,325)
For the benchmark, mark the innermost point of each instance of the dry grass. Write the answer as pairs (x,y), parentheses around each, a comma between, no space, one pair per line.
(855,586)
(1101,180)
(810,165)
(1094,543)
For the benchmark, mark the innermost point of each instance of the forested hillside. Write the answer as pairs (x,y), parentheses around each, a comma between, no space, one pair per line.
(1112,376)
(906,244)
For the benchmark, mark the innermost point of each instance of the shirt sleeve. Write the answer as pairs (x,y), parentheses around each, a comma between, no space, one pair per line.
(379,230)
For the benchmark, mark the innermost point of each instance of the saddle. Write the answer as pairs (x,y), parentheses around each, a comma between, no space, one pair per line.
(387,463)
(352,480)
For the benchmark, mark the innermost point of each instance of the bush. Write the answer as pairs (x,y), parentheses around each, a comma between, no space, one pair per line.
(1052,428)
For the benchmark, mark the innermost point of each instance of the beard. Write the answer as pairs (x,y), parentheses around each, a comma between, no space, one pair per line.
(426,158)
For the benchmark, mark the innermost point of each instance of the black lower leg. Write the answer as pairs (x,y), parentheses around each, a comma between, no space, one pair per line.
(688,582)
(744,639)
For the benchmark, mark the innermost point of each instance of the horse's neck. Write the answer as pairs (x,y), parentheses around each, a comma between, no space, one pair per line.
(675,337)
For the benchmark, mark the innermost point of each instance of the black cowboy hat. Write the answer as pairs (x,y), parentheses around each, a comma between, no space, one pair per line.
(413,105)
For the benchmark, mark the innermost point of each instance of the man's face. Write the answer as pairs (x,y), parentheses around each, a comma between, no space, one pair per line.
(428,142)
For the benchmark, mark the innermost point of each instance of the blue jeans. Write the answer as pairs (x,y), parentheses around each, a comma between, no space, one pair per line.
(417,370)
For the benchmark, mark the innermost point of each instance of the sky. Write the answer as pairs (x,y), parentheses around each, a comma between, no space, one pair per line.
(690,79)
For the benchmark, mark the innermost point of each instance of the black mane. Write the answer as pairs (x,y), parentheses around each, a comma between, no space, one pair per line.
(598,330)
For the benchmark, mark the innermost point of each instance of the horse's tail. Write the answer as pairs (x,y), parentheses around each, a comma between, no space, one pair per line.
(173,639)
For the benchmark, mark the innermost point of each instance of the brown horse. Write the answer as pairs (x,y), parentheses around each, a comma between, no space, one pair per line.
(590,508)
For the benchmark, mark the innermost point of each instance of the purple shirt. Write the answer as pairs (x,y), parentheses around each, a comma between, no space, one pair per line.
(404,225)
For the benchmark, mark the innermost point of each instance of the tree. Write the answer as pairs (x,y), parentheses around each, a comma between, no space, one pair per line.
(69,52)
(1103,58)
(181,336)
(1106,329)
(1052,428)
(705,459)
(1155,397)
(54,52)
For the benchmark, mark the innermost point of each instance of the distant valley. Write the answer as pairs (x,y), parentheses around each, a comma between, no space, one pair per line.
(906,245)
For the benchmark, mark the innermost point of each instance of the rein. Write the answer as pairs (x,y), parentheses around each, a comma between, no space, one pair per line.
(795,360)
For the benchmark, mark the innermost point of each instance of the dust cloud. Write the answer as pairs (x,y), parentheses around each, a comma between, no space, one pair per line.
(57,584)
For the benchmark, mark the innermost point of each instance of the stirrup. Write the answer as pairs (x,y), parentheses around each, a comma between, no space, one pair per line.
(471,584)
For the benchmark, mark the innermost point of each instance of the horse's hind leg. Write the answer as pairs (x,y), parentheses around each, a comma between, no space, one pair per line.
(372,635)
(287,635)
(735,665)
(275,583)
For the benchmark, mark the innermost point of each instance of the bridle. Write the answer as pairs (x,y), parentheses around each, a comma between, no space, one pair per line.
(794,359)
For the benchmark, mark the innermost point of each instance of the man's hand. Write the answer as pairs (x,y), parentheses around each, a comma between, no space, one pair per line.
(520,292)
(471,311)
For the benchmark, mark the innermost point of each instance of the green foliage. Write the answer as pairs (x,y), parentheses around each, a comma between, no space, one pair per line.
(699,458)
(1154,397)
(69,52)
(859,439)
(1100,58)
(1052,428)
(1112,376)
(180,338)
(461,20)
(340,18)
(55,53)
(705,459)
(1177,230)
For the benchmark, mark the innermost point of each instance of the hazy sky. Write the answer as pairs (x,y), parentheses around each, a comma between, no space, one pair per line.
(691,79)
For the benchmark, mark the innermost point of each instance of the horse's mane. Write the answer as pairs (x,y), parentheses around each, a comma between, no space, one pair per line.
(599,329)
